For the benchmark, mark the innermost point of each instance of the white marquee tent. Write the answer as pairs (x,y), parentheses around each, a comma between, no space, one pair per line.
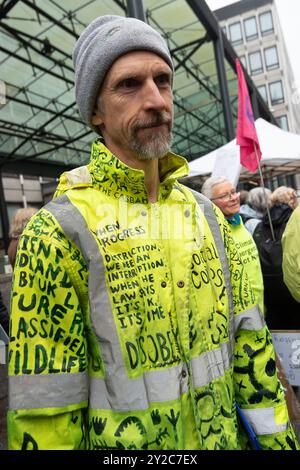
(280,154)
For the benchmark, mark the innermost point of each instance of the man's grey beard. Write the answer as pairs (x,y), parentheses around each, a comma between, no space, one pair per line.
(157,145)
(155,148)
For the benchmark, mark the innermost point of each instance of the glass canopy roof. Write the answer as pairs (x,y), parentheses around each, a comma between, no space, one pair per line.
(38,116)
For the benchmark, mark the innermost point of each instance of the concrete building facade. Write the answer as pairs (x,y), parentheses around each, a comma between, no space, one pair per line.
(253,27)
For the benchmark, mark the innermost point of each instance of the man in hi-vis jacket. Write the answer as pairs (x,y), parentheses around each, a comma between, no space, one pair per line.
(133,322)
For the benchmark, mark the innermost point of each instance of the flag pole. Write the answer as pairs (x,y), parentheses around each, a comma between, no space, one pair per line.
(264,192)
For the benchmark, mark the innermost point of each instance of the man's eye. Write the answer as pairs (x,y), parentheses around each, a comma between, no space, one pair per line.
(162,79)
(129,83)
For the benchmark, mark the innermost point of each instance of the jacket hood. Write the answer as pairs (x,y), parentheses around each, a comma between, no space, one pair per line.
(248,213)
(280,214)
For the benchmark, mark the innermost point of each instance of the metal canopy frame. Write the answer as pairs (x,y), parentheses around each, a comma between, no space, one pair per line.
(39,123)
(61,69)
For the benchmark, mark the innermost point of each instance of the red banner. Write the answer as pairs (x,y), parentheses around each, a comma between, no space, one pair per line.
(246,135)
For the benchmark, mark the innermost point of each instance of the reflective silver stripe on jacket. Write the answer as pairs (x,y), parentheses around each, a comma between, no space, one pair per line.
(117,391)
(215,230)
(47,391)
(250,319)
(262,421)
(161,385)
(210,365)
(103,323)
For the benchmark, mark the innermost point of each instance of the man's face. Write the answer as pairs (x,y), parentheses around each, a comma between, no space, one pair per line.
(226,198)
(135,107)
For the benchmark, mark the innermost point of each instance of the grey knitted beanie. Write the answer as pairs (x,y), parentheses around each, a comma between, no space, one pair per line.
(99,45)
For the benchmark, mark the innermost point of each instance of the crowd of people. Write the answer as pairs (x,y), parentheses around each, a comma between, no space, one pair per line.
(130,331)
(257,226)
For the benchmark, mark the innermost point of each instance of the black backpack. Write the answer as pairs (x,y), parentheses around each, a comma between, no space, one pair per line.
(270,251)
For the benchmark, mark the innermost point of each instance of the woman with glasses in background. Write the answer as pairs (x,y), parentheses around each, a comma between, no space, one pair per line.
(224,195)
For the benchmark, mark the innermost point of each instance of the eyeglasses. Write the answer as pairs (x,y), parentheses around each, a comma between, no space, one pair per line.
(227,196)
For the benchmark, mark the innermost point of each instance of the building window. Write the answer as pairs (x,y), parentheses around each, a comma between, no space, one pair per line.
(271,58)
(276,92)
(235,31)
(266,23)
(224,30)
(263,92)
(250,29)
(283,122)
(255,61)
(243,61)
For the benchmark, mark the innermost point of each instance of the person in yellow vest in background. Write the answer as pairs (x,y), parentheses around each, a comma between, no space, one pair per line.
(223,193)
(133,324)
(291,255)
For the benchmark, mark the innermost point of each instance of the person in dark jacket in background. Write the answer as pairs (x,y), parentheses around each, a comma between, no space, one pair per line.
(282,311)
(253,210)
(4,316)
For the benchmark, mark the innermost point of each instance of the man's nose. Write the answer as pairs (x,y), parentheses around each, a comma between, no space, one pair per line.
(153,98)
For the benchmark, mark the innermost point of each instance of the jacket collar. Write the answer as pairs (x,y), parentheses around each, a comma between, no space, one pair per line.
(234,220)
(118,180)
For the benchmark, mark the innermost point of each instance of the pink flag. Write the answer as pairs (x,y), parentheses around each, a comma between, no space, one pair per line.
(246,136)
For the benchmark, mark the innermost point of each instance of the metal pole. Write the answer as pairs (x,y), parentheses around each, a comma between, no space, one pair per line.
(226,104)
(264,192)
(135,9)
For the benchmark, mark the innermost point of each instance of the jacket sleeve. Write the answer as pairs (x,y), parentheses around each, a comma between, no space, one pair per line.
(291,254)
(47,352)
(257,388)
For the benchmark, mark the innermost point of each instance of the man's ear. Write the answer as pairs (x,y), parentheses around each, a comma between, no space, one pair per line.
(97,119)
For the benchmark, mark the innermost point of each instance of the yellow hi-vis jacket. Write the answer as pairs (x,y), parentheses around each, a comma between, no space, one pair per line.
(123,322)
(291,254)
(247,249)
